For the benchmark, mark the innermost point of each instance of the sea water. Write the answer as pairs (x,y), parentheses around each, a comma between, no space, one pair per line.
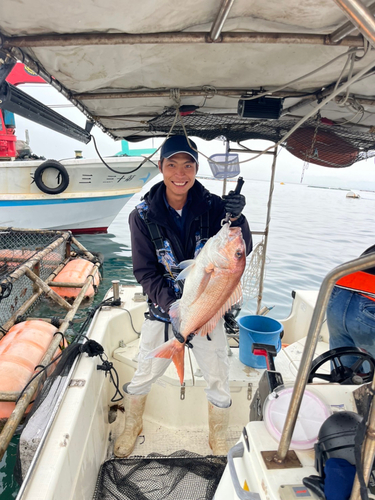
(312,230)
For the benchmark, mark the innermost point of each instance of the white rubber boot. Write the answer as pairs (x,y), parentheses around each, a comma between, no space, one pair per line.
(218,419)
(134,407)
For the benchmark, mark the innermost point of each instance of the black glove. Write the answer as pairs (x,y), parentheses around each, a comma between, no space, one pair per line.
(181,339)
(234,203)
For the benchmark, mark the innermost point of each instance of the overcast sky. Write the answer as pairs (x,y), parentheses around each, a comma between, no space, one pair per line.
(50,144)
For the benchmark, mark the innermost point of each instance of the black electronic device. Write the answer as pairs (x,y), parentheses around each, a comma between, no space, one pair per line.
(262,107)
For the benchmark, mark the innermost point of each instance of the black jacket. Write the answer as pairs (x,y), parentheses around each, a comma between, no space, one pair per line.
(146,268)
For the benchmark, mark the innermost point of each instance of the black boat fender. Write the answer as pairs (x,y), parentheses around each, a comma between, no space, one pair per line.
(63,177)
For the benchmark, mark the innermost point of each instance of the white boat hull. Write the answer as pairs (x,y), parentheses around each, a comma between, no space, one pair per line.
(92,200)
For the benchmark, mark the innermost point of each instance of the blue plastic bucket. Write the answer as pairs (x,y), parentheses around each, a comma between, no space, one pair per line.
(257,329)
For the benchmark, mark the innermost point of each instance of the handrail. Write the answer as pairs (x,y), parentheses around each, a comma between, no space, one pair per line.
(361,16)
(326,287)
(266,231)
(347,28)
(221,17)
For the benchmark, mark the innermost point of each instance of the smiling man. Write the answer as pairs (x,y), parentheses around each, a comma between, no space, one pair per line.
(172,224)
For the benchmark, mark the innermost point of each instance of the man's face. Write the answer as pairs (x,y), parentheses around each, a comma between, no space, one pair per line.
(179,173)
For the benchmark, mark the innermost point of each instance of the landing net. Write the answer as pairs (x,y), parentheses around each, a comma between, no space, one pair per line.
(317,141)
(182,475)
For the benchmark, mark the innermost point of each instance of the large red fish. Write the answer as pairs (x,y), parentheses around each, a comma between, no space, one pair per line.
(212,287)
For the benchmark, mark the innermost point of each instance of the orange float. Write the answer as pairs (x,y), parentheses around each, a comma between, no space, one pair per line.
(326,148)
(76,271)
(14,258)
(21,350)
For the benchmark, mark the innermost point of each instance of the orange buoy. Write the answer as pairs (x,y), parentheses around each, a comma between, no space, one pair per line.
(76,271)
(14,258)
(21,350)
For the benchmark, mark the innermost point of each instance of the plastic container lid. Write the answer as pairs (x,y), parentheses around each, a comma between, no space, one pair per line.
(312,414)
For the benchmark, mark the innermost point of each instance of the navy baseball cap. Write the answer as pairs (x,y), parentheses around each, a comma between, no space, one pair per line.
(178,144)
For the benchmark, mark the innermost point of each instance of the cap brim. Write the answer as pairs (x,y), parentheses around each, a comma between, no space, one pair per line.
(177,152)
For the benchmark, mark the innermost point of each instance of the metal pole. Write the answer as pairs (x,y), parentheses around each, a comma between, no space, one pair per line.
(266,231)
(167,93)
(361,16)
(116,289)
(88,254)
(326,287)
(347,28)
(227,148)
(221,17)
(80,39)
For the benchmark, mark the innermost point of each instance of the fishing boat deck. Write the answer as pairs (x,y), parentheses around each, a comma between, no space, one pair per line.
(170,409)
(170,423)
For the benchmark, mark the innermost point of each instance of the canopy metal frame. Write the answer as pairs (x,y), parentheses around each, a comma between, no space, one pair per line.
(14,45)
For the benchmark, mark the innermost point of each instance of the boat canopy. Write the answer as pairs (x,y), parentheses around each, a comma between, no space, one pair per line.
(228,68)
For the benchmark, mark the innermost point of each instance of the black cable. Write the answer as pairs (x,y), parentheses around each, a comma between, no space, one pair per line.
(108,367)
(5,290)
(117,171)
(37,374)
(131,322)
(92,348)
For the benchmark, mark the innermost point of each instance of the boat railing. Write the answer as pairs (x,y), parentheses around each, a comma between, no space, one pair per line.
(265,233)
(25,261)
(359,264)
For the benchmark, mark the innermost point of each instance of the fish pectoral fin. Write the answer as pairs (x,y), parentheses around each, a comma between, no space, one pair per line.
(210,268)
(202,285)
(186,263)
(186,271)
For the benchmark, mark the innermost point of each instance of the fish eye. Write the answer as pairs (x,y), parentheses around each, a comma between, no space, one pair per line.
(238,254)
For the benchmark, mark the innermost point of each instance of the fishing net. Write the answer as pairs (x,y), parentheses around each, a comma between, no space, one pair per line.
(318,141)
(182,475)
(251,277)
(16,248)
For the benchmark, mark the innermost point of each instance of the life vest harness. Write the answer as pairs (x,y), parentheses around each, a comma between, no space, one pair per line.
(359,282)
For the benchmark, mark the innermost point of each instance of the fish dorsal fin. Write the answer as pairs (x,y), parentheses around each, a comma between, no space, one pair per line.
(186,271)
(235,298)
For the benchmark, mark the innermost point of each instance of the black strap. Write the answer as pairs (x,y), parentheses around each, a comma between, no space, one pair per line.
(166,327)
(155,234)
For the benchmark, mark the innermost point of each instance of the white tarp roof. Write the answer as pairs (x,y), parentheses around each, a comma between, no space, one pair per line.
(164,66)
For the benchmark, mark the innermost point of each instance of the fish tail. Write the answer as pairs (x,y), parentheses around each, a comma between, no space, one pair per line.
(174,350)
